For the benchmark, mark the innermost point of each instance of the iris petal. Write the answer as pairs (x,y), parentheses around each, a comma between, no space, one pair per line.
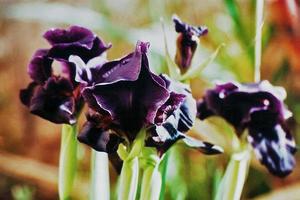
(275,149)
(128,91)
(39,68)
(98,138)
(259,108)
(54,101)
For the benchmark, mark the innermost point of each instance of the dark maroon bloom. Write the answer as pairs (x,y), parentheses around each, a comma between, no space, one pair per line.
(128,97)
(179,114)
(187,42)
(127,91)
(97,136)
(57,97)
(259,108)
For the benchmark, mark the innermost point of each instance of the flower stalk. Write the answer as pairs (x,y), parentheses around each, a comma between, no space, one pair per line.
(233,181)
(152,175)
(151,183)
(67,161)
(130,170)
(100,176)
(258,38)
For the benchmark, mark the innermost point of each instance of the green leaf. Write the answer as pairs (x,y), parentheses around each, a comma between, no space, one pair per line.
(240,30)
(67,161)
(234,12)
(172,67)
(217,178)
(282,72)
(163,170)
(195,72)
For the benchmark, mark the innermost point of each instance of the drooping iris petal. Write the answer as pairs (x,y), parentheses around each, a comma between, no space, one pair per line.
(53,101)
(98,138)
(179,119)
(274,147)
(259,108)
(39,68)
(235,102)
(187,42)
(128,91)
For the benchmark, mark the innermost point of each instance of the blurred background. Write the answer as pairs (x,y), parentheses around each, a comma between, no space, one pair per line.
(29,146)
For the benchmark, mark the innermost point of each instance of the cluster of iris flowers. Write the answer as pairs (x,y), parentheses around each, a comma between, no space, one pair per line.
(125,98)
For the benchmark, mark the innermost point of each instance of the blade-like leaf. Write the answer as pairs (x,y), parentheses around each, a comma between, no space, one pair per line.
(172,67)
(196,71)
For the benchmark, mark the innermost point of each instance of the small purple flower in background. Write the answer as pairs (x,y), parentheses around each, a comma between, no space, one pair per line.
(187,42)
(124,96)
(56,97)
(259,108)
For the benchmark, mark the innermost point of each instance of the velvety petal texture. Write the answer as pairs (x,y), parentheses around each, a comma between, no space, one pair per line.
(187,42)
(56,97)
(99,138)
(128,92)
(123,95)
(128,97)
(259,108)
(175,118)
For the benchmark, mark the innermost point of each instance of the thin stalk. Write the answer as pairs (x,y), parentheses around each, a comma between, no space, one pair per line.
(129,179)
(128,183)
(151,183)
(164,166)
(233,181)
(258,38)
(67,161)
(99,176)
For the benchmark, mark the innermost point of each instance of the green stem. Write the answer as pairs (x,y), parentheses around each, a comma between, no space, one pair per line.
(151,183)
(258,38)
(129,179)
(99,176)
(130,170)
(67,161)
(233,181)
(164,166)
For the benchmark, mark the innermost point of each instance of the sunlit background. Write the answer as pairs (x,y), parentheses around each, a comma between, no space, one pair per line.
(29,146)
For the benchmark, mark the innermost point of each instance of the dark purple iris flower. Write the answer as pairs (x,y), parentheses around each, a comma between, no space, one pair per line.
(187,42)
(56,97)
(124,96)
(259,108)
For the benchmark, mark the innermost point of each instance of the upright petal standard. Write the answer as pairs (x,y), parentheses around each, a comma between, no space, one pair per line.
(127,96)
(52,96)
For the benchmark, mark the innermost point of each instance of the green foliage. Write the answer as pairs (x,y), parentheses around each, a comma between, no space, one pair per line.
(22,192)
